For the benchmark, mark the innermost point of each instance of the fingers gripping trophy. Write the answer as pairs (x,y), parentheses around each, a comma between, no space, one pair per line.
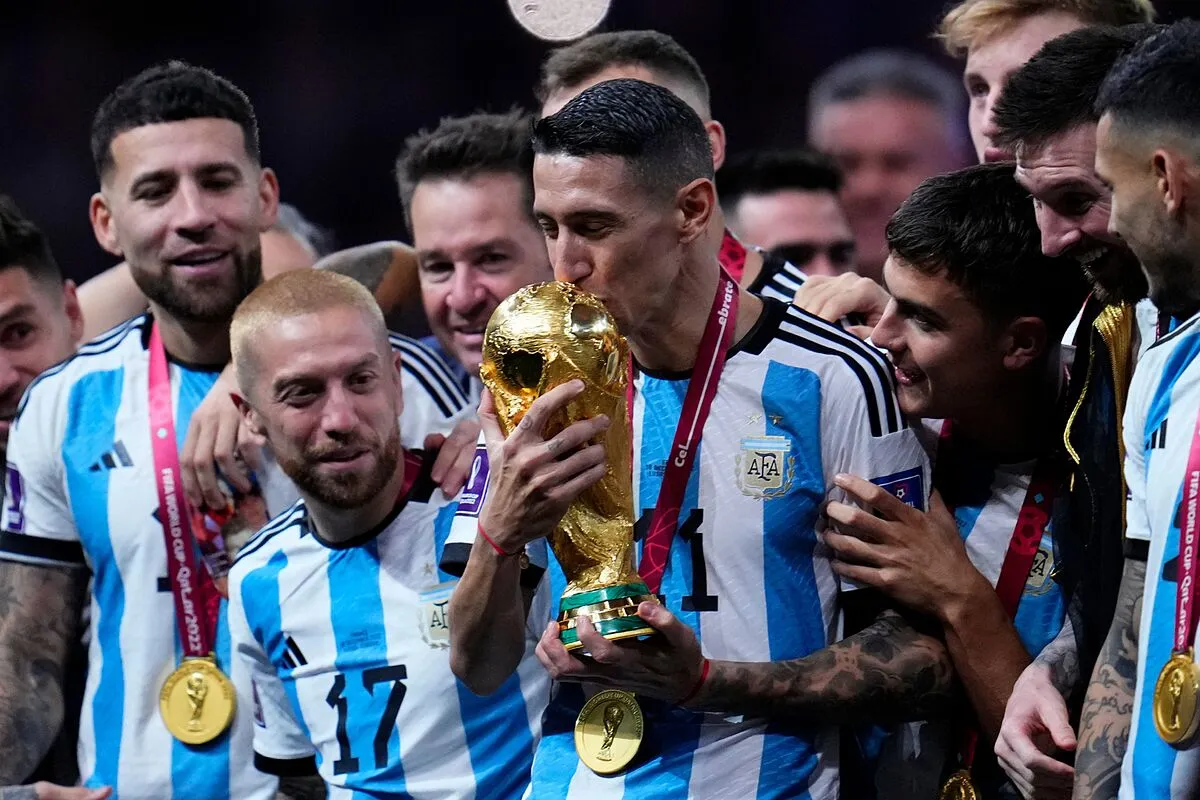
(541,337)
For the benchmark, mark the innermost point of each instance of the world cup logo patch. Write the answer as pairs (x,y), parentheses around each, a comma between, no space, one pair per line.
(765,466)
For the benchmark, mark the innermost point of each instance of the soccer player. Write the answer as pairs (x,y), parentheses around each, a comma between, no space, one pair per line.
(976,357)
(890,119)
(786,202)
(337,608)
(1148,151)
(657,58)
(742,690)
(92,476)
(995,37)
(467,191)
(1046,117)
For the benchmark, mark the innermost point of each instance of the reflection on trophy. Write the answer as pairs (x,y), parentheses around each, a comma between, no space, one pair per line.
(541,337)
(613,714)
(197,690)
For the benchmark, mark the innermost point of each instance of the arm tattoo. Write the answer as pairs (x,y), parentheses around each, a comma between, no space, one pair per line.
(40,609)
(1108,708)
(306,787)
(367,263)
(886,672)
(1061,658)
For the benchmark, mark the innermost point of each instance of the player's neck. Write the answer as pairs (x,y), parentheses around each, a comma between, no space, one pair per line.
(1013,423)
(338,525)
(669,341)
(205,343)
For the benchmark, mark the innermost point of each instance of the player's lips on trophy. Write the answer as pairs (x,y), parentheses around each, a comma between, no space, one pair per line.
(202,261)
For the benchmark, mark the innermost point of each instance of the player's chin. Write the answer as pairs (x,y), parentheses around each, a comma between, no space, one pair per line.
(915,401)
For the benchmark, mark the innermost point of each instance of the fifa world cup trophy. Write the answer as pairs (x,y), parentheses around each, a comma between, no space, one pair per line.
(541,337)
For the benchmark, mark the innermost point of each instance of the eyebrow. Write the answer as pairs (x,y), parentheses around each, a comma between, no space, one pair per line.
(16,312)
(204,171)
(490,244)
(910,308)
(284,381)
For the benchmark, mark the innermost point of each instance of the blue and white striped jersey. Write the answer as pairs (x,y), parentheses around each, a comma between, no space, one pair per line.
(81,492)
(348,645)
(799,401)
(1160,417)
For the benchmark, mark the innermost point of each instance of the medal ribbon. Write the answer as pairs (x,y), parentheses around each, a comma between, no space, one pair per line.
(732,256)
(1032,520)
(710,362)
(195,597)
(1185,593)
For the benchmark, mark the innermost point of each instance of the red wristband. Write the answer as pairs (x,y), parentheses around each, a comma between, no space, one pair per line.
(499,551)
(699,683)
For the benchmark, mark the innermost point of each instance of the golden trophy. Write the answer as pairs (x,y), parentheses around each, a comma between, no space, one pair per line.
(539,338)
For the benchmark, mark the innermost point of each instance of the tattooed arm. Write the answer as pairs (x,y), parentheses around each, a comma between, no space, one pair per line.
(889,671)
(1108,706)
(40,609)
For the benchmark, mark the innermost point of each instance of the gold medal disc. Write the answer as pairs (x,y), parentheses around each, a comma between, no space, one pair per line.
(958,787)
(1175,696)
(197,701)
(608,731)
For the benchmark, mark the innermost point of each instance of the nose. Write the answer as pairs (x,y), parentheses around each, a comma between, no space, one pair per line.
(569,257)
(338,415)
(1059,235)
(466,291)
(889,331)
(193,209)
(988,128)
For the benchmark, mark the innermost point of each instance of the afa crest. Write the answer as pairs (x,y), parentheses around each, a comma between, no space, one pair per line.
(1041,572)
(765,466)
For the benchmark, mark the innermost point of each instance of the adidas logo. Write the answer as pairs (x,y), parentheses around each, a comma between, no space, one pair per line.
(292,655)
(117,457)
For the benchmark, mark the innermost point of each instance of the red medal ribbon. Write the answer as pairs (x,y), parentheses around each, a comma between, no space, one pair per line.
(732,256)
(1032,520)
(1185,592)
(196,599)
(706,374)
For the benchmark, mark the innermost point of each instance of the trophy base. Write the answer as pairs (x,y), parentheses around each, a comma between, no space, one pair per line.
(611,610)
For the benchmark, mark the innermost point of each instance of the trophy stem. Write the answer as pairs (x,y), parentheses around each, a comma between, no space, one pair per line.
(612,610)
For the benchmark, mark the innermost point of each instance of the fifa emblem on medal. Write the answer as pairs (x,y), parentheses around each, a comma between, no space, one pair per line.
(197,701)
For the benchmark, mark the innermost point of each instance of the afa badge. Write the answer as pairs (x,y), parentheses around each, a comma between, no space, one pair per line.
(1041,572)
(765,466)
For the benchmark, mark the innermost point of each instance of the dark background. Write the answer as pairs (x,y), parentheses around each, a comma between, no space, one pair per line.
(339,84)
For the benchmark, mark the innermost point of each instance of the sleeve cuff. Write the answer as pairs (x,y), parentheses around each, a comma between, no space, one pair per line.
(40,550)
(454,562)
(1136,549)
(286,767)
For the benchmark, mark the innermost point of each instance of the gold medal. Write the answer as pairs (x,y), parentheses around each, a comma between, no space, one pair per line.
(608,731)
(958,787)
(1175,696)
(197,701)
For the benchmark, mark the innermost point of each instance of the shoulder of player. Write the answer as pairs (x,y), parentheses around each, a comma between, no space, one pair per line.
(106,352)
(793,337)
(421,363)
(269,539)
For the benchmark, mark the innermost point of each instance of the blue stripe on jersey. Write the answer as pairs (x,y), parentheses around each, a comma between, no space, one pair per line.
(794,619)
(91,426)
(557,761)
(199,771)
(493,748)
(361,639)
(442,526)
(261,587)
(669,772)
(1177,362)
(1153,758)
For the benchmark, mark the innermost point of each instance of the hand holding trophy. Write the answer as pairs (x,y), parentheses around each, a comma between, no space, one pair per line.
(541,337)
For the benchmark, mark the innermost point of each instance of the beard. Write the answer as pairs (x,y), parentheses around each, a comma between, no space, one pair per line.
(1117,277)
(343,491)
(212,300)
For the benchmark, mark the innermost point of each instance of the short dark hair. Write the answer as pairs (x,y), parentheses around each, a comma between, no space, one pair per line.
(766,171)
(976,227)
(461,148)
(661,138)
(890,73)
(170,92)
(657,52)
(1155,84)
(1056,90)
(23,245)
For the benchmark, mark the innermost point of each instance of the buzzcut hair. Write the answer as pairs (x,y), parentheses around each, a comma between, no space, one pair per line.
(171,92)
(656,52)
(888,73)
(973,22)
(294,294)
(1056,90)
(1155,84)
(976,227)
(24,246)
(658,135)
(462,148)
(767,171)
